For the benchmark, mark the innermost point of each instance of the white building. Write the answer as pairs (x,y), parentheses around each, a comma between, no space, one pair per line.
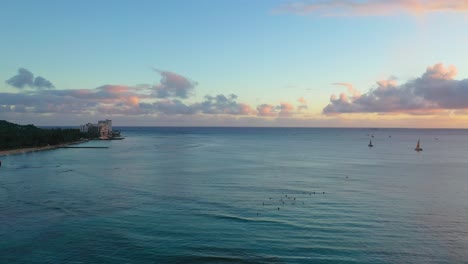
(107,123)
(103,128)
(104,132)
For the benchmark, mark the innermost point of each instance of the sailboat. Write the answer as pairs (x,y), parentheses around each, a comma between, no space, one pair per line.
(370,143)
(418,147)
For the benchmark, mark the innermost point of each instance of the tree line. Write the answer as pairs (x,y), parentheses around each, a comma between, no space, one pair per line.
(14,136)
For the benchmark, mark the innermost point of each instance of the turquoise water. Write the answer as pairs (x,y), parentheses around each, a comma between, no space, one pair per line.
(211,195)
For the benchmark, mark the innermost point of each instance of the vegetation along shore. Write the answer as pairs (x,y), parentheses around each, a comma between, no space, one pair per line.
(16,138)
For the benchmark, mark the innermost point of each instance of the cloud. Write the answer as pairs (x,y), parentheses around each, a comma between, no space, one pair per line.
(438,71)
(222,104)
(212,105)
(41,82)
(435,90)
(41,102)
(217,105)
(25,78)
(267,110)
(168,107)
(286,109)
(302,108)
(22,79)
(353,91)
(371,7)
(106,94)
(303,104)
(173,85)
(164,99)
(119,98)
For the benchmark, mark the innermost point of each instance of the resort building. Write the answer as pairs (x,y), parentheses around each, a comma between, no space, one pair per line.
(104,132)
(106,123)
(103,129)
(90,128)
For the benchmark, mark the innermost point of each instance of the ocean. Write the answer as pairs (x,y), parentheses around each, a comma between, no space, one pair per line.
(240,195)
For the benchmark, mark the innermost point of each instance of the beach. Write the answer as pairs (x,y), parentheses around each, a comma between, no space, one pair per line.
(33,149)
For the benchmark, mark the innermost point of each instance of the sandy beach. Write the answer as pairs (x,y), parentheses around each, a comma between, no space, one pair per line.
(26,150)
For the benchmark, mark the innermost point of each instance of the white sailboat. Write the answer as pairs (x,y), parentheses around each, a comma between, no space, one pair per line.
(418,147)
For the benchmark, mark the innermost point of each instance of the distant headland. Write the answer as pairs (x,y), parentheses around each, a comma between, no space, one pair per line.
(16,138)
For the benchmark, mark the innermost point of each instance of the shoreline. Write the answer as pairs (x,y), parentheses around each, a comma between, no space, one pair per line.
(34,149)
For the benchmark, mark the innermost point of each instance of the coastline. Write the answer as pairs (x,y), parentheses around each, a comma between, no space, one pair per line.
(34,149)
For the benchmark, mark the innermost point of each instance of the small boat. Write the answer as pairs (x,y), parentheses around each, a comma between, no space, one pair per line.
(370,143)
(418,147)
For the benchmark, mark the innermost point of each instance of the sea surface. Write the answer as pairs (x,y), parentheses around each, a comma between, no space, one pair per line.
(240,195)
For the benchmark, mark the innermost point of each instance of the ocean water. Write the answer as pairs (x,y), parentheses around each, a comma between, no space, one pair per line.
(240,195)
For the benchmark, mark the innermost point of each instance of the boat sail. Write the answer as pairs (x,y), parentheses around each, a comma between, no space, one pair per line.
(418,147)
(370,143)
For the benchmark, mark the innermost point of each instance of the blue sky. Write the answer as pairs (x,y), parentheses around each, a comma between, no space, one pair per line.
(261,51)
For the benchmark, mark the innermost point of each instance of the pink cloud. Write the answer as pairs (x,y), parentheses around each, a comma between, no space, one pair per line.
(302,100)
(439,71)
(436,89)
(372,7)
(266,110)
(303,104)
(387,83)
(115,88)
(286,109)
(166,98)
(246,109)
(351,90)
(132,100)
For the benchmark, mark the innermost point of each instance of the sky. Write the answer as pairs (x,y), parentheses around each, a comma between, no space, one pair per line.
(303,63)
